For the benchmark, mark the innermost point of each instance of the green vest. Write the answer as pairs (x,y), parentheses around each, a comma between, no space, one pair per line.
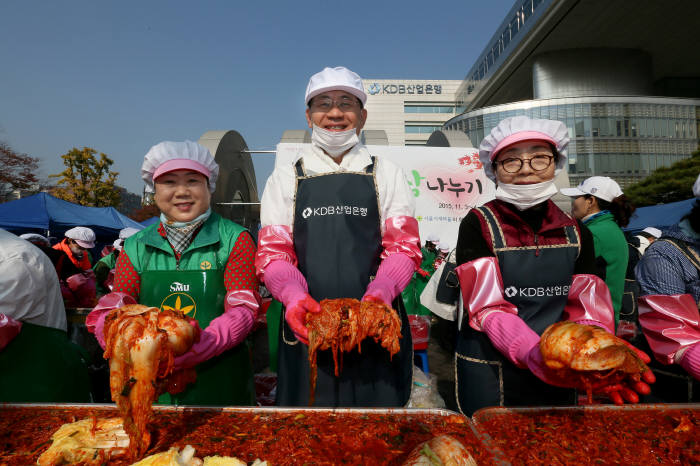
(195,285)
(610,244)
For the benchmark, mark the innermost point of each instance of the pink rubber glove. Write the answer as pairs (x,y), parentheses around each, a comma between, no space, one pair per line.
(95,320)
(691,360)
(393,275)
(224,332)
(520,344)
(288,285)
(9,329)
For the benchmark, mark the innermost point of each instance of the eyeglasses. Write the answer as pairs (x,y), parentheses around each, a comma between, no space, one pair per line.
(325,104)
(538,163)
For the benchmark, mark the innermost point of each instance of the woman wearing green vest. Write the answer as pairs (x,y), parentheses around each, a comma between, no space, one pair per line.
(195,261)
(600,204)
(38,363)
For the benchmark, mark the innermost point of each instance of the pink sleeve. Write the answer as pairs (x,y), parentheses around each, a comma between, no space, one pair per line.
(401,236)
(670,323)
(482,290)
(589,302)
(691,360)
(95,320)
(274,243)
(9,329)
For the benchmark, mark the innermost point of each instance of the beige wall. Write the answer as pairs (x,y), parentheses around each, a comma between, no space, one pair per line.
(385,106)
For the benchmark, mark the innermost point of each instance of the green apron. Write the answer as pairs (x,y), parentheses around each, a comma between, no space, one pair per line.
(42,365)
(274,311)
(221,381)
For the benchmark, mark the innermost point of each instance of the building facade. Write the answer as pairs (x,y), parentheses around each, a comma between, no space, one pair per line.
(629,96)
(410,110)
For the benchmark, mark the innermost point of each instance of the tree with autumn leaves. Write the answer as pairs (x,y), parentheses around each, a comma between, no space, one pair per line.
(87,179)
(17,171)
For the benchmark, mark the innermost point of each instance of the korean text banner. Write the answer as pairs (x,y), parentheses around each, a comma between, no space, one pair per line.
(445,181)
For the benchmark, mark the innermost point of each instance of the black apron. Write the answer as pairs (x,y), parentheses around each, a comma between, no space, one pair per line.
(337,239)
(536,279)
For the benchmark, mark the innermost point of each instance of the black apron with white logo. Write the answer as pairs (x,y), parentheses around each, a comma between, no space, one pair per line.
(337,239)
(536,279)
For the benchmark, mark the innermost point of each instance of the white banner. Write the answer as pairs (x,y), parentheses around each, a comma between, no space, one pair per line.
(445,181)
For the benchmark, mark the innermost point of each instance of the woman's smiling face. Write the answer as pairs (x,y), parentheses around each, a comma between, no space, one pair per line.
(182,195)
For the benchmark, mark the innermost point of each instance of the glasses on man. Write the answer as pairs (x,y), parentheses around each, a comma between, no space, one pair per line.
(325,104)
(538,163)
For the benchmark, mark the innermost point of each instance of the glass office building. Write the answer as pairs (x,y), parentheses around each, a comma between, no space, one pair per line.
(629,96)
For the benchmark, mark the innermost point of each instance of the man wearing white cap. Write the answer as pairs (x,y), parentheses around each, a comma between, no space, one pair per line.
(600,204)
(76,243)
(669,277)
(197,262)
(329,219)
(104,268)
(523,265)
(38,363)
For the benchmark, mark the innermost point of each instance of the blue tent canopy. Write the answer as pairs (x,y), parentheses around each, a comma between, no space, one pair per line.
(150,221)
(49,215)
(659,216)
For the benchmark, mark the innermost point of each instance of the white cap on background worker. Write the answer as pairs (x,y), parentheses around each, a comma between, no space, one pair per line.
(83,236)
(335,79)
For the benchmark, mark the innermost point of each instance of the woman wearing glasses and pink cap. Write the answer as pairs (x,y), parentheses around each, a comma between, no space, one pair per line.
(523,264)
(195,261)
(331,220)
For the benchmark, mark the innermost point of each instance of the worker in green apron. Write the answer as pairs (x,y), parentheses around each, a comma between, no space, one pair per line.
(104,268)
(199,263)
(38,363)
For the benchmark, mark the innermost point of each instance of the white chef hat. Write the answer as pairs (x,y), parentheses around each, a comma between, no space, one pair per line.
(35,238)
(655,232)
(444,247)
(126,232)
(118,244)
(336,79)
(433,238)
(696,187)
(602,187)
(84,236)
(521,128)
(168,156)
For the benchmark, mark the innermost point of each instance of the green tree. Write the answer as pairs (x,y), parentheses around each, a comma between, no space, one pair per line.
(17,171)
(87,180)
(666,184)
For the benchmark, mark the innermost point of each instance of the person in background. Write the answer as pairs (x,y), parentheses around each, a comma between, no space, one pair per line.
(669,277)
(213,256)
(76,243)
(38,363)
(601,205)
(429,251)
(104,268)
(646,237)
(63,265)
(522,241)
(305,257)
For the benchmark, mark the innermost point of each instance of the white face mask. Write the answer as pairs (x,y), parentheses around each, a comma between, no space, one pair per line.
(524,196)
(334,142)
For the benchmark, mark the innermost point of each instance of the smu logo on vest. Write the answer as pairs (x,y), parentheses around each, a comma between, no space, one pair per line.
(179,300)
(177,286)
(334,210)
(532,292)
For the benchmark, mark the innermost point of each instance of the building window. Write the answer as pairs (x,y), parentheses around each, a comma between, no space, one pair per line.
(421,129)
(429,109)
